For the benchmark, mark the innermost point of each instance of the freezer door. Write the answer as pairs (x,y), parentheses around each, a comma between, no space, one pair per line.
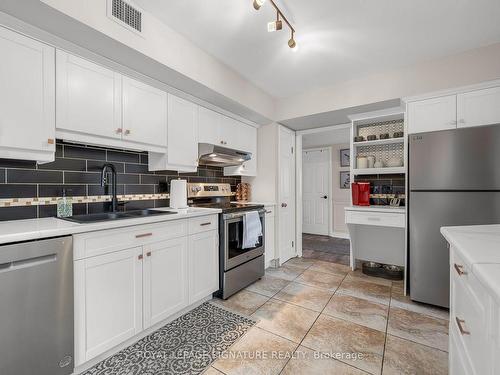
(429,255)
(459,159)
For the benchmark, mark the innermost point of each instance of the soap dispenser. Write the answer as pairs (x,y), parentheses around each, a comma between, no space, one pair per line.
(64,205)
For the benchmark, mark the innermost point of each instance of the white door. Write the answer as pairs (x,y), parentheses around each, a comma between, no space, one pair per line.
(144,113)
(88,98)
(165,279)
(316,191)
(209,126)
(203,265)
(480,107)
(27,95)
(108,301)
(286,192)
(229,132)
(432,114)
(182,132)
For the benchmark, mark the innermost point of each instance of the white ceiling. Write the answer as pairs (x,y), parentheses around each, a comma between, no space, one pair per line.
(338,40)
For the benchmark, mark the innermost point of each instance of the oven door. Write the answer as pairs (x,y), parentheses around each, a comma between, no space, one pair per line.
(234,254)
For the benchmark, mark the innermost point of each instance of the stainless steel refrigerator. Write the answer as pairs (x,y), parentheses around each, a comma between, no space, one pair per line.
(454,179)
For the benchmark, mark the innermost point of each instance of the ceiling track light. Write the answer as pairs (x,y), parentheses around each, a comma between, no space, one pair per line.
(278,24)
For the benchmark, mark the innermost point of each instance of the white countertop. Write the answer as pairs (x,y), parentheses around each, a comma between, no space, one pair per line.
(23,230)
(400,210)
(479,246)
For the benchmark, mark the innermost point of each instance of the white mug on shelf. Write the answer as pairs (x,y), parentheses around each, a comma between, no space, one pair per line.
(371,161)
(361,162)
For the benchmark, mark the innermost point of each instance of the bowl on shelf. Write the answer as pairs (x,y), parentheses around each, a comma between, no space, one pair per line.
(359,138)
(371,137)
(395,162)
(384,136)
(398,134)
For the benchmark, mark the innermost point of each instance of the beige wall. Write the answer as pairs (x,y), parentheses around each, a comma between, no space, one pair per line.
(340,197)
(470,67)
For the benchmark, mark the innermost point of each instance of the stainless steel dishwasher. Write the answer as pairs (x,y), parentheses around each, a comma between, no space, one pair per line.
(36,307)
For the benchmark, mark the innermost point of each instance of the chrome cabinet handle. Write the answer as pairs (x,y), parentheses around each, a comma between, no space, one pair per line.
(127,132)
(50,141)
(140,257)
(148,253)
(205,224)
(460,323)
(284,205)
(119,130)
(460,269)
(143,235)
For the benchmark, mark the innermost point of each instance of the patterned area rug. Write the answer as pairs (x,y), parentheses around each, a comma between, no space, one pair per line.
(187,345)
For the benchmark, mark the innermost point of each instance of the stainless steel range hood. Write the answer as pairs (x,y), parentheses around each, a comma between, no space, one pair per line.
(218,156)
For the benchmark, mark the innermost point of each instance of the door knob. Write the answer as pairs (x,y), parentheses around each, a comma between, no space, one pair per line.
(284,205)
(325,197)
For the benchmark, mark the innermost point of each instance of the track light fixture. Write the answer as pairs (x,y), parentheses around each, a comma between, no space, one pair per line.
(258,3)
(278,24)
(275,25)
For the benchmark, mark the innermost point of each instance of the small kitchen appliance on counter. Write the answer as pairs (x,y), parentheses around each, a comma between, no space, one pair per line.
(360,193)
(239,265)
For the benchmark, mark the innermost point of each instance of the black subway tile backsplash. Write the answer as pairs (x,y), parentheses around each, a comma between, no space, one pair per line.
(29,176)
(18,191)
(77,168)
(82,152)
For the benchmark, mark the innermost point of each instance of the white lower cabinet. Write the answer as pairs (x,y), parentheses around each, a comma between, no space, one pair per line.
(165,279)
(108,301)
(124,290)
(203,265)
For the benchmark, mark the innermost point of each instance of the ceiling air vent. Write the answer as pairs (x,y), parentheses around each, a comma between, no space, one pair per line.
(125,14)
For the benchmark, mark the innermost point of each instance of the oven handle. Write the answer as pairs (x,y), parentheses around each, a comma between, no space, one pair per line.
(241,214)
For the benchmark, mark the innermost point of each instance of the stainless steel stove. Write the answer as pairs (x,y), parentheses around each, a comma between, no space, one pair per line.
(238,266)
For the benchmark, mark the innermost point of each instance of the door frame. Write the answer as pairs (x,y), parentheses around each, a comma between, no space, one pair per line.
(330,185)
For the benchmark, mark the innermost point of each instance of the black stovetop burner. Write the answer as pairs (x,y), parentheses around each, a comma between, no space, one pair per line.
(228,207)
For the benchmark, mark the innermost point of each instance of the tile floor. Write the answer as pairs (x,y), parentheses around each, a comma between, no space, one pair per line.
(325,248)
(318,317)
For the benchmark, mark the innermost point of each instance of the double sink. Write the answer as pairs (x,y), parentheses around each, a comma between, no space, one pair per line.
(108,216)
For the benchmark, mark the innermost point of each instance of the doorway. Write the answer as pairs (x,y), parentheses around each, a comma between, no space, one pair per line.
(316,189)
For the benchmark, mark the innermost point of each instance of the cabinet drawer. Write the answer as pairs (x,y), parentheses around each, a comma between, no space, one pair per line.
(107,241)
(381,219)
(461,272)
(203,224)
(469,324)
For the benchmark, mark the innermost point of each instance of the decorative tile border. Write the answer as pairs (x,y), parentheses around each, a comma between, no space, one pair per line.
(18,202)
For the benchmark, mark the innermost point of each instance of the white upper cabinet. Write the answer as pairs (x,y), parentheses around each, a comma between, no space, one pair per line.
(480,107)
(229,129)
(88,98)
(432,114)
(182,145)
(246,141)
(27,97)
(209,126)
(144,113)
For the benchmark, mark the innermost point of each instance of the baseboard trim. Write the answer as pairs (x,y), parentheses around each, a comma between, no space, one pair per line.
(340,235)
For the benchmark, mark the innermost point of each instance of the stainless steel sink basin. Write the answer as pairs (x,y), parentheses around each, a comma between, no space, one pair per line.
(107,216)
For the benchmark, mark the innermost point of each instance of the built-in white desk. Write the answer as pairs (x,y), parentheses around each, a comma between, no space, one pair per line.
(377,234)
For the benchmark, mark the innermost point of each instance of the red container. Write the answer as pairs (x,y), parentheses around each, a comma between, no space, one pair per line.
(360,193)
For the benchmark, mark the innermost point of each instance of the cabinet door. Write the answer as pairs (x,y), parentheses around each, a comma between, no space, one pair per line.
(144,113)
(481,107)
(270,240)
(432,114)
(229,132)
(27,96)
(108,301)
(182,132)
(203,265)
(165,279)
(209,123)
(88,98)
